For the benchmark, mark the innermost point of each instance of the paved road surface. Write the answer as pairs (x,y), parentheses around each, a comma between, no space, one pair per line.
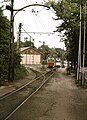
(59,99)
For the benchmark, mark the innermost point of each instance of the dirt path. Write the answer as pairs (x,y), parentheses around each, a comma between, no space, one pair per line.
(72,100)
(59,99)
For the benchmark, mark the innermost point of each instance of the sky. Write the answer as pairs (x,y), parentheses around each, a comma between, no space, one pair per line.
(36,19)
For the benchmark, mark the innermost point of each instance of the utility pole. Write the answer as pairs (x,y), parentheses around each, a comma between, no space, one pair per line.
(11,45)
(30,42)
(79,48)
(83,77)
(19,36)
(43,50)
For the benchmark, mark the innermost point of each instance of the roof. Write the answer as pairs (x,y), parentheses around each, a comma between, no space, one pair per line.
(26,48)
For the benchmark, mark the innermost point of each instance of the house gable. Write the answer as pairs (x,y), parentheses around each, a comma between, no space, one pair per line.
(30,56)
(30,51)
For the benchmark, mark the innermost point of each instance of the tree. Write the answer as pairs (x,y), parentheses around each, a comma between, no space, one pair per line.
(55,53)
(27,44)
(4,48)
(69,12)
(44,49)
(4,45)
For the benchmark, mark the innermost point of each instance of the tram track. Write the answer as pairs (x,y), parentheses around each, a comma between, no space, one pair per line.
(13,101)
(20,88)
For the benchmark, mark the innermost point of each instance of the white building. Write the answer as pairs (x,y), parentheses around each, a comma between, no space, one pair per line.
(30,56)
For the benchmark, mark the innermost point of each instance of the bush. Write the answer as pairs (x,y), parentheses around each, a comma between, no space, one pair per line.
(20,72)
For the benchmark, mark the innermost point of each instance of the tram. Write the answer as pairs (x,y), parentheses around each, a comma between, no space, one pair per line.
(50,62)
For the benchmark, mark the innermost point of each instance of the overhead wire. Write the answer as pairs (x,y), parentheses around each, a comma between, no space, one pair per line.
(41,21)
(27,2)
(38,17)
(44,27)
(27,33)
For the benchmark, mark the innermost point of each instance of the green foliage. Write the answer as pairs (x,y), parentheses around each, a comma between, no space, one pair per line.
(4,48)
(55,53)
(20,72)
(4,42)
(69,12)
(44,49)
(26,44)
(17,58)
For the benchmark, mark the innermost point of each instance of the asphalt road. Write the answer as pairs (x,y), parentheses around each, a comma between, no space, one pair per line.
(59,99)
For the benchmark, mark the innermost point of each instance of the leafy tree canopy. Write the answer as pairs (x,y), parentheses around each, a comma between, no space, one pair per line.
(4,45)
(69,12)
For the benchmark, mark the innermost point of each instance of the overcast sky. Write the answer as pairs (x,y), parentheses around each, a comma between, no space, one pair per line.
(36,19)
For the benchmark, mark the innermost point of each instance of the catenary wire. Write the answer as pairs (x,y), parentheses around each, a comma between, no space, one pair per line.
(27,33)
(39,18)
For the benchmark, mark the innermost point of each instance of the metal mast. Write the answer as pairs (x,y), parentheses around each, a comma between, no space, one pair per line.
(83,78)
(11,45)
(19,36)
(79,48)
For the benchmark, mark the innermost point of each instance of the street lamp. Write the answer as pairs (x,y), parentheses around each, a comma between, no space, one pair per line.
(11,42)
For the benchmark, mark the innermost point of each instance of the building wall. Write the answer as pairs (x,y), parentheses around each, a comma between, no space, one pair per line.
(30,59)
